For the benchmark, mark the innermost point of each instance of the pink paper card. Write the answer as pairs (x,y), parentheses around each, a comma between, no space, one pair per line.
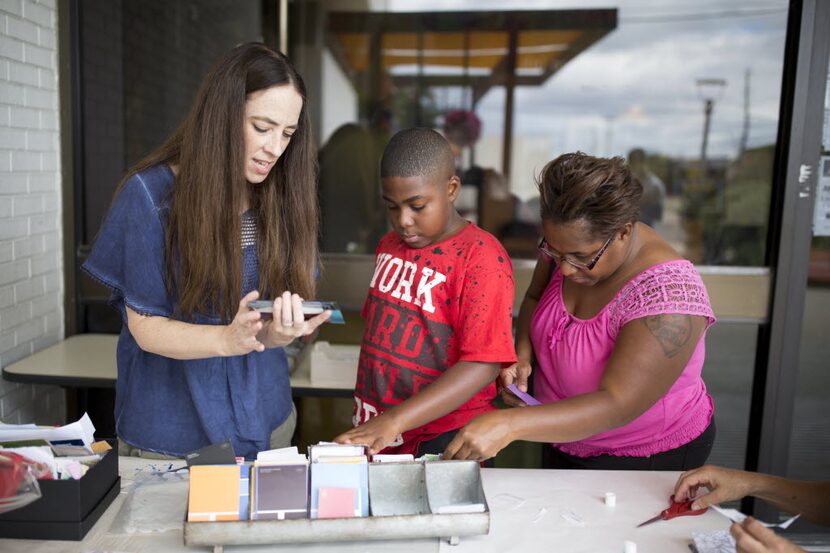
(337,503)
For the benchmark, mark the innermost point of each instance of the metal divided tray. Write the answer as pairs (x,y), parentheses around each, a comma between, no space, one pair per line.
(405,500)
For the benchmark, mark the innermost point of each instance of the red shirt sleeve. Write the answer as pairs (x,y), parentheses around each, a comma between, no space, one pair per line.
(485,332)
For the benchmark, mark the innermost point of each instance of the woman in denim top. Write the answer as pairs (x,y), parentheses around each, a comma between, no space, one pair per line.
(223,213)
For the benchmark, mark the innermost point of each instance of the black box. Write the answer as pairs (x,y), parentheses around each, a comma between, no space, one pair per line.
(68,508)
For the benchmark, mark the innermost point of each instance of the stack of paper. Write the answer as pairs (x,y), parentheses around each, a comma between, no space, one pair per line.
(393,458)
(279,489)
(65,452)
(339,481)
(82,430)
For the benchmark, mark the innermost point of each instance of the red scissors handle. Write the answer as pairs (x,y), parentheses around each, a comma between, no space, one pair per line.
(675,509)
(681,509)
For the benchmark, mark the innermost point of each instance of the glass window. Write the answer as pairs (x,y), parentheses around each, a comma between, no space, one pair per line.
(687,91)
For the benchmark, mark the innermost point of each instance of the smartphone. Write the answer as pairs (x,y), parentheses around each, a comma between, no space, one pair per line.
(310,308)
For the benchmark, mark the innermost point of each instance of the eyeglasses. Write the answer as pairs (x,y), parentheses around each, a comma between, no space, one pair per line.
(544,247)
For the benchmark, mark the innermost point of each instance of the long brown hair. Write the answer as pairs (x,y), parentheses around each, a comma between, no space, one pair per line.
(203,233)
(600,191)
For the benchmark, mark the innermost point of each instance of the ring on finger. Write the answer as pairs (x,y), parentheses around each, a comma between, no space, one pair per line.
(289,324)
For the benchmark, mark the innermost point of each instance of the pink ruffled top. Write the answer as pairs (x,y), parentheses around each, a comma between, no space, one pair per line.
(571,354)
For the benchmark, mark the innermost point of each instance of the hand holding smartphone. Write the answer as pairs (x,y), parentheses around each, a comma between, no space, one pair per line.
(310,308)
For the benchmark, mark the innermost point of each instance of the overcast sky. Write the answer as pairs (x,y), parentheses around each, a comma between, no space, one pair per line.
(636,86)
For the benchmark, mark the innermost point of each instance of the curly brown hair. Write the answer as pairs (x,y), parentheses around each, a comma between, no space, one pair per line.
(599,191)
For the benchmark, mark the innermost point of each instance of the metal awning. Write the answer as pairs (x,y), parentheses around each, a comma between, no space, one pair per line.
(464,48)
(475,50)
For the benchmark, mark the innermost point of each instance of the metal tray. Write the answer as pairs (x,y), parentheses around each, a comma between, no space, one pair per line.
(404,498)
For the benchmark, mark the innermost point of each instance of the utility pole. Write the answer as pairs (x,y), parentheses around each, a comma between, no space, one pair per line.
(707,117)
(745,132)
(708,89)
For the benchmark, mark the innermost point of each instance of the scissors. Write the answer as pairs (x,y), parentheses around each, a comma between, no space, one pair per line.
(675,509)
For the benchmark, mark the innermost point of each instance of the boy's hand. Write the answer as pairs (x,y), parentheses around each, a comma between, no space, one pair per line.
(517,374)
(377,433)
(482,438)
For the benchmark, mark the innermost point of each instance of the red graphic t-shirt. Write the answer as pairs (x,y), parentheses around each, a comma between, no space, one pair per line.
(428,309)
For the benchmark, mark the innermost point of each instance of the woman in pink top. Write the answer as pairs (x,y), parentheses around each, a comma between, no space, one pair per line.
(612,327)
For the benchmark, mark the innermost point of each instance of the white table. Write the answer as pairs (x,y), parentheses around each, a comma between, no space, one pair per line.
(83,360)
(88,361)
(525,505)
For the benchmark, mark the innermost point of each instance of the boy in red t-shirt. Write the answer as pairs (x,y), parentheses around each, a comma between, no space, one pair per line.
(438,313)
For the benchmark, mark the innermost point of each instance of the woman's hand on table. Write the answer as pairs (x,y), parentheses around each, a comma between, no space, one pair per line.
(378,433)
(753,537)
(482,438)
(517,374)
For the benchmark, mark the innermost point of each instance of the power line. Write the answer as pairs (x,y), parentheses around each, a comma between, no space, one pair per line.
(729,14)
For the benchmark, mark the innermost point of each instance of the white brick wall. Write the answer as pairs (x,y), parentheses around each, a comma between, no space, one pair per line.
(31,261)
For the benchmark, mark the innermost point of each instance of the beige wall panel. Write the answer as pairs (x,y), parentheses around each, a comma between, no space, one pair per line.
(738,294)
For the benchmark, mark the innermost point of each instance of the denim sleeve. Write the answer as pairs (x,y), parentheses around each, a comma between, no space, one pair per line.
(128,255)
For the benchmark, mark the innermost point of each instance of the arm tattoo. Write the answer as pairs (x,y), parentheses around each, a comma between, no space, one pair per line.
(672,331)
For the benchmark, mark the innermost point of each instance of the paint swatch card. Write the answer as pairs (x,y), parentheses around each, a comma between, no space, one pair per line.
(280,491)
(339,466)
(214,454)
(527,398)
(336,503)
(244,491)
(354,476)
(214,493)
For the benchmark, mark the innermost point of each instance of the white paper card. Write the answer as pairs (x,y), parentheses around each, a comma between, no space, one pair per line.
(736,516)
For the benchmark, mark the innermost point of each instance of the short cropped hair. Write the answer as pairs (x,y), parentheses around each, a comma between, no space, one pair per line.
(600,191)
(417,152)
